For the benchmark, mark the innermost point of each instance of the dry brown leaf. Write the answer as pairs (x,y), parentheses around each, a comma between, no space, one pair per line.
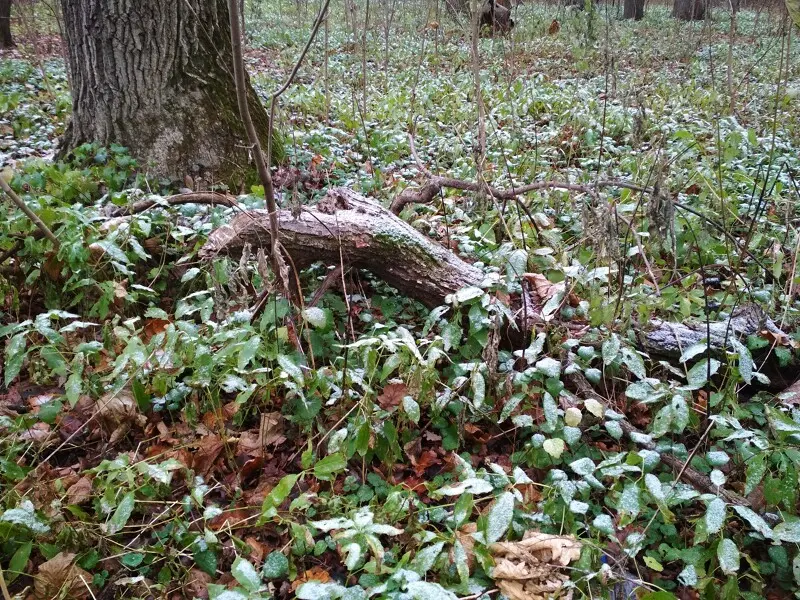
(313,574)
(530,568)
(60,578)
(80,491)
(196,584)
(271,429)
(117,413)
(543,287)
(41,433)
(208,451)
(392,395)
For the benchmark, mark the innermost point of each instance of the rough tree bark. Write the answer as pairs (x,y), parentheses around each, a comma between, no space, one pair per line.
(156,77)
(6,41)
(347,227)
(634,9)
(689,10)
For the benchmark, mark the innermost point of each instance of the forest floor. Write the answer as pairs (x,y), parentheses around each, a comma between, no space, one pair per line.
(158,441)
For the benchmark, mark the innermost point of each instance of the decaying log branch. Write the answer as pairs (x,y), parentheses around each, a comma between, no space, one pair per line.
(672,339)
(349,229)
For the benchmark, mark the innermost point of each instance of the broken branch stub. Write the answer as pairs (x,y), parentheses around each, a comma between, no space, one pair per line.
(349,229)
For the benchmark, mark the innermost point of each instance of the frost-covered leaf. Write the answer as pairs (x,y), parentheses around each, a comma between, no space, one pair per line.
(653,485)
(548,366)
(699,374)
(746,366)
(572,435)
(644,391)
(315,316)
(315,590)
(411,408)
(353,555)
(662,421)
(583,466)
(468,293)
(383,529)
(162,472)
(614,429)
(717,477)
(248,352)
(693,350)
(473,485)
(717,458)
(688,577)
(331,524)
(728,556)
(245,573)
(788,531)
(275,565)
(715,515)
(190,274)
(550,409)
(499,517)
(517,263)
(603,523)
(478,389)
(633,360)
(25,515)
(425,558)
(579,508)
(756,522)
(425,590)
(611,349)
(629,499)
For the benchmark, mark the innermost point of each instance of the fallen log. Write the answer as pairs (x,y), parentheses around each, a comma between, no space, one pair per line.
(347,229)
(670,339)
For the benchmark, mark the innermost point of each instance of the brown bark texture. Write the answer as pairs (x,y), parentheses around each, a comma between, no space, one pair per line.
(634,9)
(157,77)
(351,229)
(6,41)
(689,10)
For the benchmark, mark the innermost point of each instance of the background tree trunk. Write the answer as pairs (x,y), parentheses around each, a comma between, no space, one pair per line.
(6,40)
(689,10)
(634,9)
(157,77)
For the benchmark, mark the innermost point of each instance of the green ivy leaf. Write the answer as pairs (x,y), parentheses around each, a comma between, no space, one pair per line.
(15,355)
(276,565)
(328,466)
(18,562)
(123,512)
(245,573)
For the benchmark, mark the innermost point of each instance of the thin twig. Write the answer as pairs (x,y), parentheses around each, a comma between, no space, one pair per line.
(261,164)
(29,213)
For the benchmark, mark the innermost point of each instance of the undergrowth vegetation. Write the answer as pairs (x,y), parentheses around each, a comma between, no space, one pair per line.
(160,438)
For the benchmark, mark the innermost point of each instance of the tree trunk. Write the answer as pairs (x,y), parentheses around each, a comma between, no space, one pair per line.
(689,10)
(156,77)
(634,9)
(6,41)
